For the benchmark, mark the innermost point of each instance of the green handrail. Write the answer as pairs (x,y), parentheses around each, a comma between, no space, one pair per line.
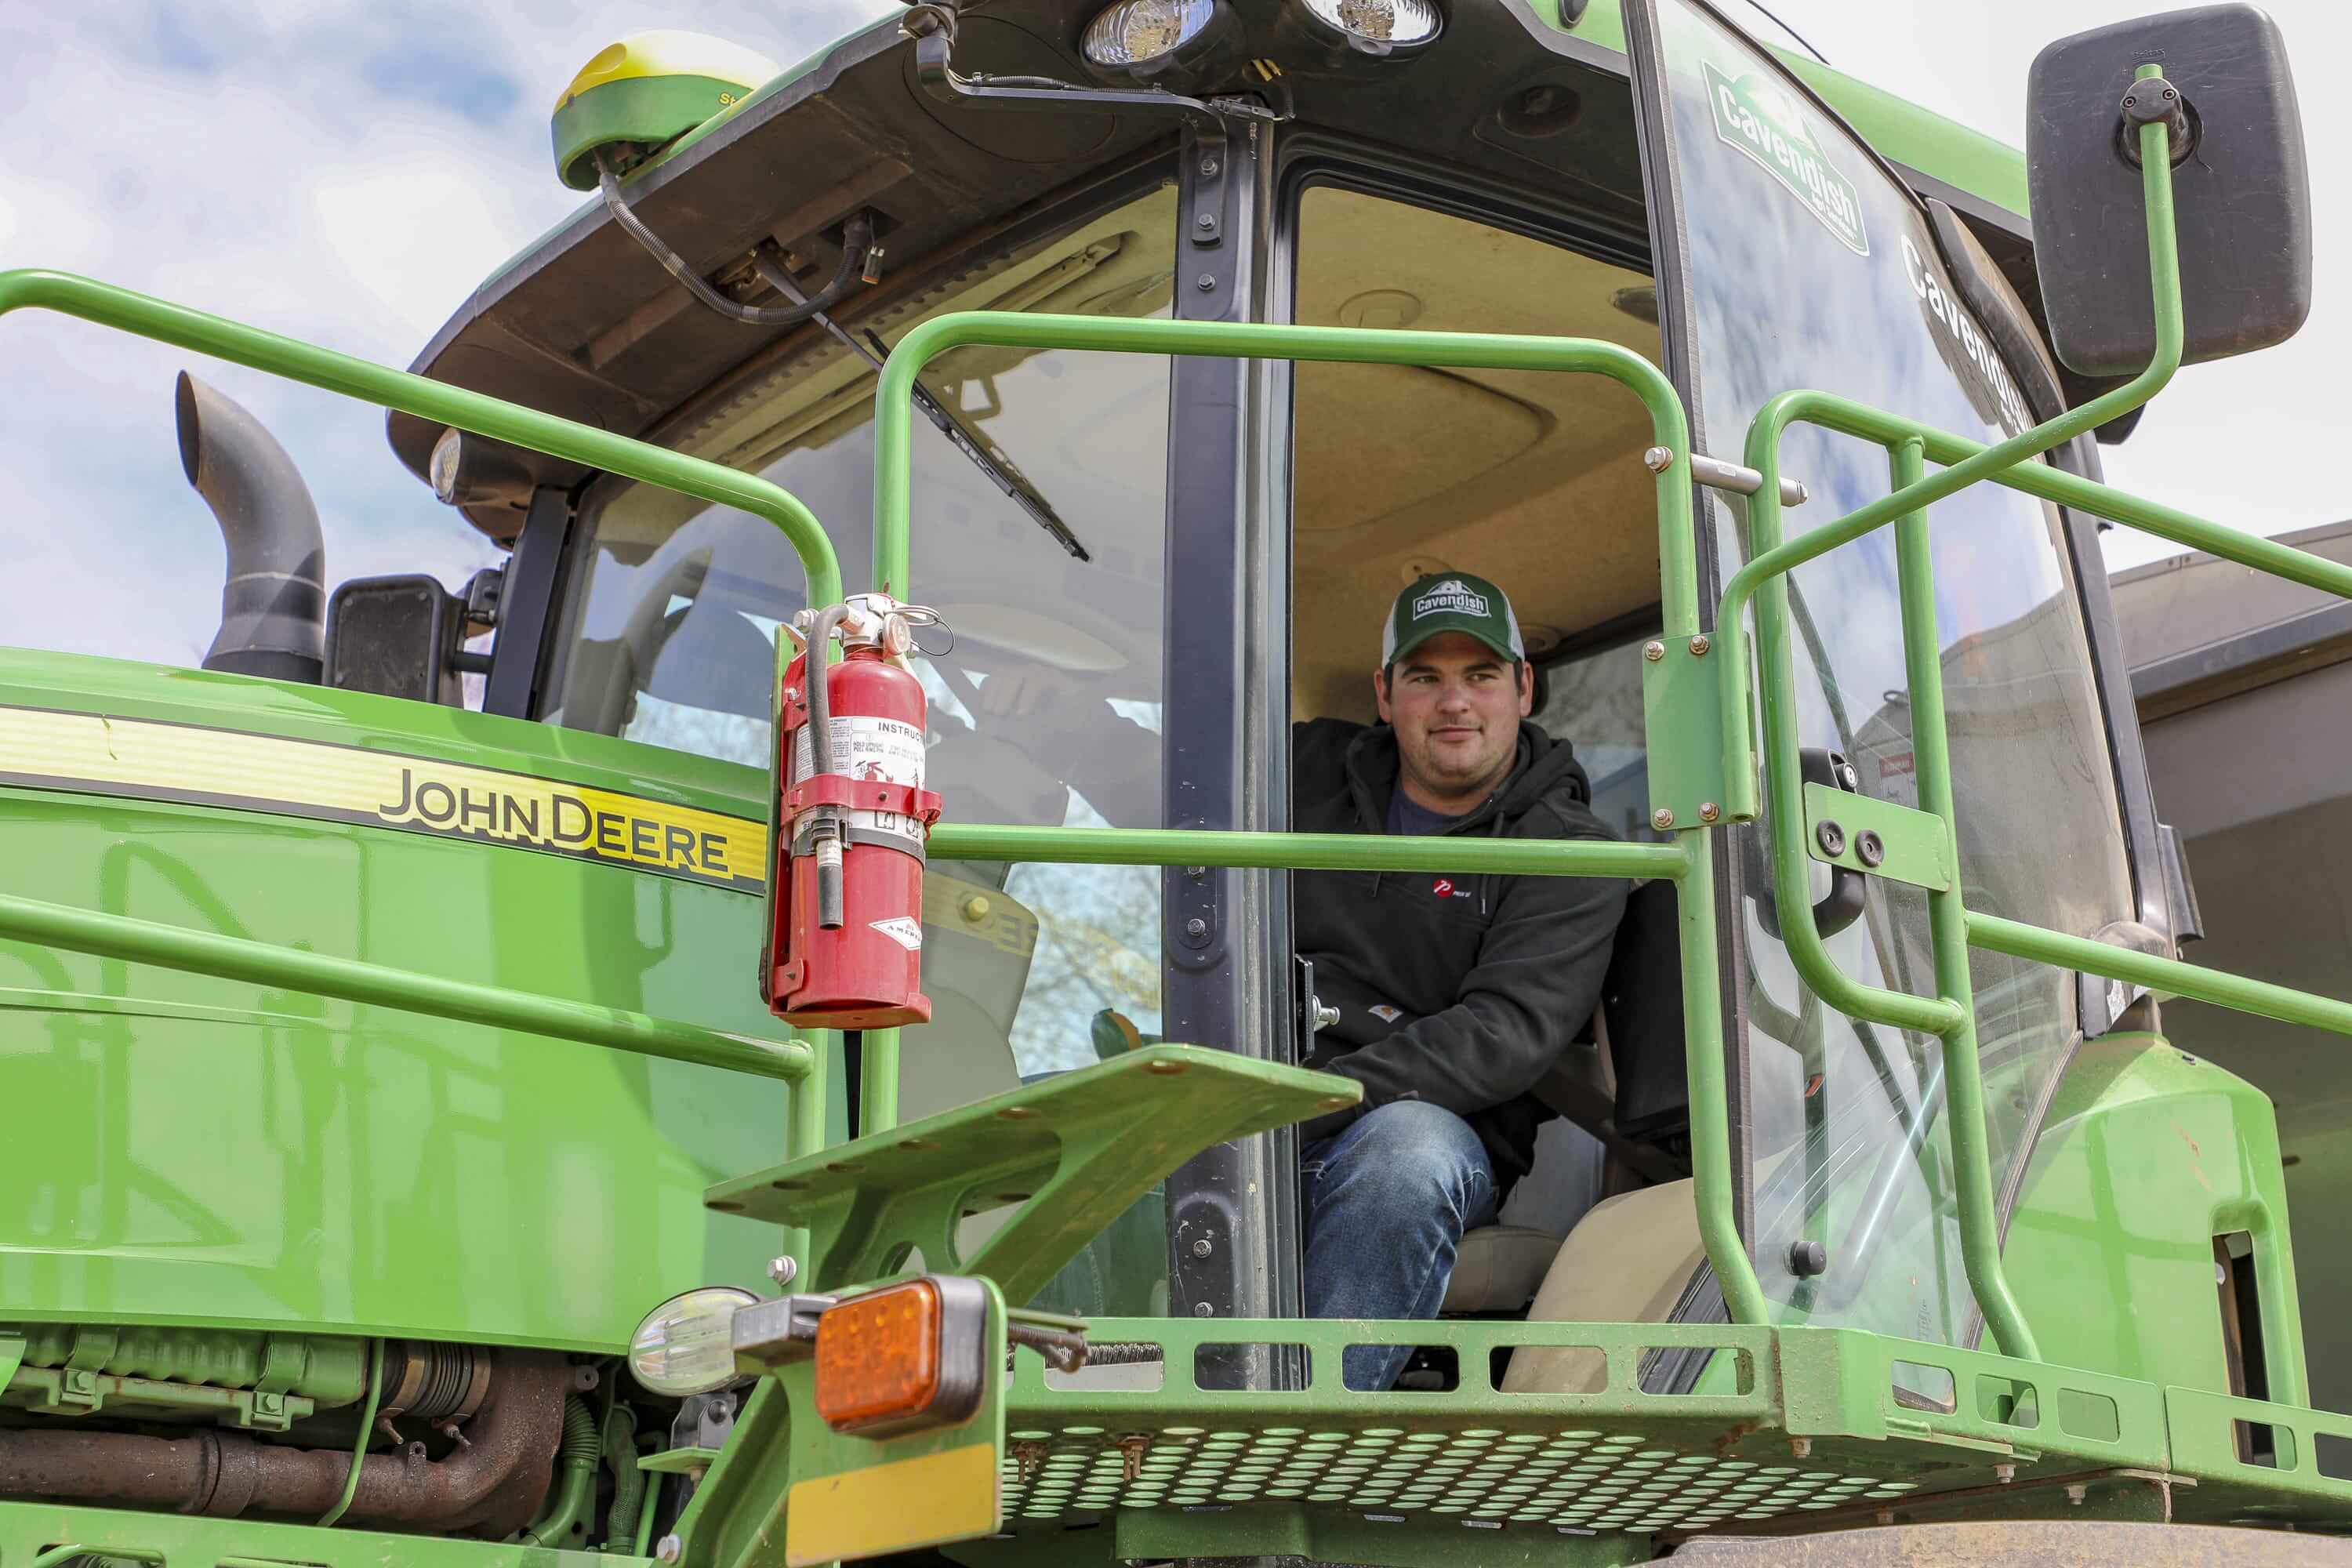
(1688,861)
(83,931)
(1951,1014)
(376,984)
(142,316)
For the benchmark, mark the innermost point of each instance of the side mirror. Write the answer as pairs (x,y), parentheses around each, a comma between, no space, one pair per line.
(405,636)
(2240,193)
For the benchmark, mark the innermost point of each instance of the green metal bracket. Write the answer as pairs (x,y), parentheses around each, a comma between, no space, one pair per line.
(1904,846)
(789,1485)
(1074,1152)
(679,1461)
(75,1391)
(1682,704)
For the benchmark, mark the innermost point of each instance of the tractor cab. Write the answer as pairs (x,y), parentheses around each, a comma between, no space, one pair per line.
(1151,351)
(1148,568)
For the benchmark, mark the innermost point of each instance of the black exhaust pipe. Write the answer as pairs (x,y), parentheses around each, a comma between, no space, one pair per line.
(274,602)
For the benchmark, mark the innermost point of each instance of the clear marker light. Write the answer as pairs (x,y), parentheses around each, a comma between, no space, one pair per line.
(1389,23)
(685,1345)
(1135,31)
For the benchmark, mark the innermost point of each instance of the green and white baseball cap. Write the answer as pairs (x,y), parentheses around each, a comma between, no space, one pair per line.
(1451,602)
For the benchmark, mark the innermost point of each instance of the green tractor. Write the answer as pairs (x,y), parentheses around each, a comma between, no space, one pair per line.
(406,1165)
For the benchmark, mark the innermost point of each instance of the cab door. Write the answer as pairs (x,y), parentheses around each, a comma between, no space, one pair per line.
(1788,256)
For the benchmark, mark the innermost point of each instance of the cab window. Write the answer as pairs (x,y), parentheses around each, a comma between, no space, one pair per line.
(673,610)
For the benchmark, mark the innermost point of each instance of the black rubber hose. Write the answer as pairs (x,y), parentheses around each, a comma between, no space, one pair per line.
(856,239)
(828,826)
(274,598)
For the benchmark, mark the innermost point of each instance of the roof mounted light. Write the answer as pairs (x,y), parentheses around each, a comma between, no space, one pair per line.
(1377,26)
(1150,38)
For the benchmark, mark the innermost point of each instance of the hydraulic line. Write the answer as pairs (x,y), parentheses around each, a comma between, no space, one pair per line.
(629,1481)
(582,1452)
(857,243)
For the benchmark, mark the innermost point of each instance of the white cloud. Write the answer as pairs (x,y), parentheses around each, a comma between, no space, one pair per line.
(419,241)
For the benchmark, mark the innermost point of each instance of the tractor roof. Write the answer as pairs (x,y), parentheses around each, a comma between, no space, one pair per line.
(585,324)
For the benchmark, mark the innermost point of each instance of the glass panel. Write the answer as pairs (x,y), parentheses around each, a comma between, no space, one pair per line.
(1811,267)
(1593,700)
(674,606)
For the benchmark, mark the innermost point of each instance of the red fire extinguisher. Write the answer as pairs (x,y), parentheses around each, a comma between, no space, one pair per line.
(845,943)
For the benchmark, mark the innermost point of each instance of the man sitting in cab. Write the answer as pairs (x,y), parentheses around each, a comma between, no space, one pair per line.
(1455,994)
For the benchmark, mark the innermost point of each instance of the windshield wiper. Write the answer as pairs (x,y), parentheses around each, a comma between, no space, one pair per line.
(1000,471)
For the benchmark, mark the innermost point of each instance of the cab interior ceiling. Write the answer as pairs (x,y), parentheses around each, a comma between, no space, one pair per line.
(1533,479)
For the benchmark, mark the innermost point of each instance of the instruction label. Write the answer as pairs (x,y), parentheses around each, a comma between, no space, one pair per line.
(870,751)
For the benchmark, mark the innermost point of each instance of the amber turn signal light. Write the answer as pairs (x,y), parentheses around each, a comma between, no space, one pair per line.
(906,1355)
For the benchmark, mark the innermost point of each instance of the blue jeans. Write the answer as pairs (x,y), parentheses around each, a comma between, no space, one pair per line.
(1387,1202)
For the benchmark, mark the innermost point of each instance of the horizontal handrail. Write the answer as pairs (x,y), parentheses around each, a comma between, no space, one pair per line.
(1306,851)
(266,963)
(2168,975)
(143,316)
(894,415)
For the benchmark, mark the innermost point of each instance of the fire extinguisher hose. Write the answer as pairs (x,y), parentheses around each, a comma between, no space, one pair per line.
(827,825)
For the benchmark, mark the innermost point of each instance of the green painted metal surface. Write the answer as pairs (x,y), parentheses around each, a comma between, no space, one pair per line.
(191,1150)
(1074,1151)
(33,1533)
(1808,1430)
(1914,845)
(2148,1153)
(1680,730)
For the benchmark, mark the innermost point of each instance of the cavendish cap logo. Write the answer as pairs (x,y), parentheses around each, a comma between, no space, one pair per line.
(1769,122)
(1452,594)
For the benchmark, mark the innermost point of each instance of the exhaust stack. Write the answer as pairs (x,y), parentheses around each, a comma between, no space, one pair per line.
(274,601)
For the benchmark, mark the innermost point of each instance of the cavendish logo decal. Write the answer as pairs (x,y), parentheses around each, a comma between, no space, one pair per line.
(1454,595)
(43,749)
(1767,122)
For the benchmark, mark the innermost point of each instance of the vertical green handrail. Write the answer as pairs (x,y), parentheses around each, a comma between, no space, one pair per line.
(1947,925)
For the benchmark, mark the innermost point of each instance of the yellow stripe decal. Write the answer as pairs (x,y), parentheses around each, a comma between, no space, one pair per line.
(44,749)
(896,1506)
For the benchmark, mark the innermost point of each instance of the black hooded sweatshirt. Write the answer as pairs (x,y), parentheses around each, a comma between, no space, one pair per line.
(1457,990)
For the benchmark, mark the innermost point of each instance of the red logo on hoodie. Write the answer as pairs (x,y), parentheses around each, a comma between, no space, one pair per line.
(1444,888)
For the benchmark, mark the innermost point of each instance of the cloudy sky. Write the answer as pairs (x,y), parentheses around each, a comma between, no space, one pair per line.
(346,173)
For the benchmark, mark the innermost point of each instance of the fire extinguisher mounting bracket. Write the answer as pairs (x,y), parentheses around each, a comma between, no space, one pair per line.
(839,789)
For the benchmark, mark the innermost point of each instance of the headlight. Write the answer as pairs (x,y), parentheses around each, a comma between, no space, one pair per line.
(685,1345)
(1137,32)
(1378,27)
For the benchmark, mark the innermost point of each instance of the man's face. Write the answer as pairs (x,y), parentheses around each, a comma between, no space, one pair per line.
(1456,705)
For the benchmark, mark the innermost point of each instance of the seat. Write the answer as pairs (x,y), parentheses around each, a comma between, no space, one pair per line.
(1498,1268)
(1625,1262)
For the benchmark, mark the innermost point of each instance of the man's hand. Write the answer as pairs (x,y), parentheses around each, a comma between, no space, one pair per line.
(1024,691)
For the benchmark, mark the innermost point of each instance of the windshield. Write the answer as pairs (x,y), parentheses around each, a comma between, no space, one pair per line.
(1811,269)
(673,612)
